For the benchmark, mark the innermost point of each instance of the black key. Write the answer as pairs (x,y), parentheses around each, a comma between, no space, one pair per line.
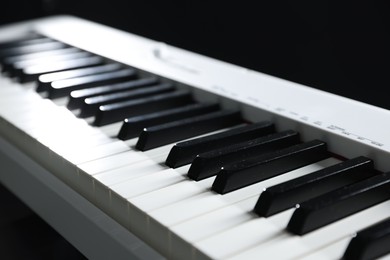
(133,126)
(63,88)
(111,113)
(77,97)
(286,195)
(16,70)
(28,40)
(9,61)
(30,48)
(91,105)
(167,133)
(208,164)
(370,243)
(45,80)
(327,208)
(269,165)
(32,73)
(183,153)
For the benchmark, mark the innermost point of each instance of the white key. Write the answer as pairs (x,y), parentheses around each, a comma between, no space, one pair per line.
(11,95)
(62,102)
(24,102)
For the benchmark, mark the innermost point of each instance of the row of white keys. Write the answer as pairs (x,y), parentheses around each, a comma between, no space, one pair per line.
(57,128)
(333,251)
(71,139)
(206,236)
(103,150)
(115,173)
(153,162)
(44,130)
(191,201)
(158,155)
(123,177)
(103,181)
(134,171)
(288,246)
(170,184)
(61,132)
(121,165)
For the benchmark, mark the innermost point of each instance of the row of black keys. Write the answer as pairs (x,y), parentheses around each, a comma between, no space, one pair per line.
(110,92)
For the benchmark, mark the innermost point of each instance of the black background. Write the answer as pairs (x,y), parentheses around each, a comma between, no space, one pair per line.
(341,48)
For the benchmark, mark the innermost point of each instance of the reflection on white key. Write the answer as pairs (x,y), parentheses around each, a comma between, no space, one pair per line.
(251,233)
(111,162)
(216,221)
(138,169)
(186,234)
(126,158)
(171,194)
(334,250)
(96,152)
(103,181)
(151,182)
(111,130)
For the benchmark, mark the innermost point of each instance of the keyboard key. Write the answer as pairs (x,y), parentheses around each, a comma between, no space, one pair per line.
(30,48)
(45,80)
(28,40)
(111,113)
(63,88)
(327,208)
(208,164)
(91,105)
(370,243)
(32,73)
(16,70)
(268,165)
(133,126)
(184,152)
(10,61)
(286,195)
(77,97)
(159,135)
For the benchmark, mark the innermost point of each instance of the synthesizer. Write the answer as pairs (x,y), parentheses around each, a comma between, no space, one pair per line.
(135,149)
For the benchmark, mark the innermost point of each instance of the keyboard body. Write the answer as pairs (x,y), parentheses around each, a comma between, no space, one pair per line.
(71,201)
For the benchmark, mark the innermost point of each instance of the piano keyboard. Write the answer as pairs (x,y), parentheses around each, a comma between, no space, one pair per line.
(198,158)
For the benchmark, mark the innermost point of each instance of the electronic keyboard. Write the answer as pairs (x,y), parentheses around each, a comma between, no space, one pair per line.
(134,149)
